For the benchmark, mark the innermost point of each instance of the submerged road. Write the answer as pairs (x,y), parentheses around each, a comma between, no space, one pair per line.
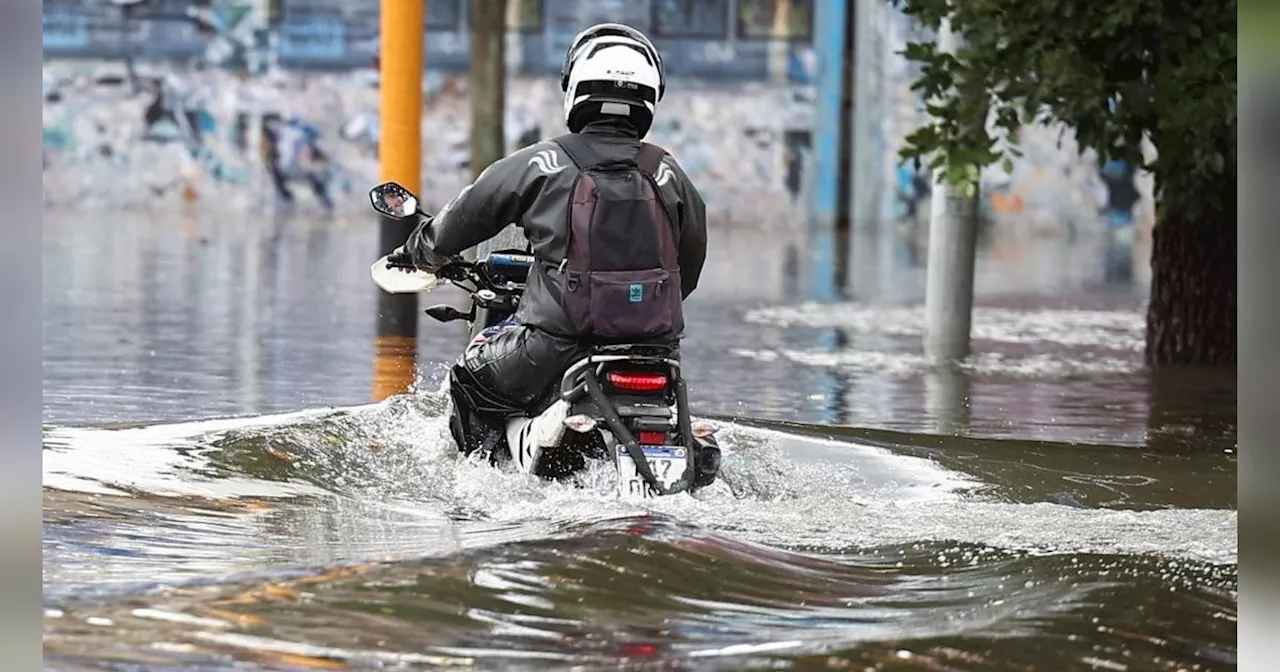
(1048,505)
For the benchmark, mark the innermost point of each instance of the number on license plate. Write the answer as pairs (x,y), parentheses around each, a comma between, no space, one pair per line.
(666,469)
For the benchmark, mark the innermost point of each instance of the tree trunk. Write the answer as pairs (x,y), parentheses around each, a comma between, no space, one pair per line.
(487,87)
(487,83)
(1191,316)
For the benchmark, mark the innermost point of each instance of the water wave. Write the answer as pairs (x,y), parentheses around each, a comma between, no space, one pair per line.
(777,487)
(357,537)
(650,588)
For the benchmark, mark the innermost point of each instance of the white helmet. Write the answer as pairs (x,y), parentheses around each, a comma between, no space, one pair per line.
(611,69)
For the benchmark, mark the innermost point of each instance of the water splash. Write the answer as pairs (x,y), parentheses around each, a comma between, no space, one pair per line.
(357,536)
(776,488)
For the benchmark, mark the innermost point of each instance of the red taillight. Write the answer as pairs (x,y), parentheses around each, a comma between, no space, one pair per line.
(651,438)
(638,649)
(638,382)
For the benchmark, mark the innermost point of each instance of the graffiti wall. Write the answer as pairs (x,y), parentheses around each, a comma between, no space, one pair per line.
(248,104)
(259,104)
(198,135)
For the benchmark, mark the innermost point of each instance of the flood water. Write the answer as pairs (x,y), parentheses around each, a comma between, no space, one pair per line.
(221,493)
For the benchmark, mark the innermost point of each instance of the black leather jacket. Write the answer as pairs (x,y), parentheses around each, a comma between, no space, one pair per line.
(532,188)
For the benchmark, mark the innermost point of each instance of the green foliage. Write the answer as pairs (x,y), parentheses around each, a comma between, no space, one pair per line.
(1113,72)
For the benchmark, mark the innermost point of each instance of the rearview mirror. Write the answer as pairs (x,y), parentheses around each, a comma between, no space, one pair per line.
(393,200)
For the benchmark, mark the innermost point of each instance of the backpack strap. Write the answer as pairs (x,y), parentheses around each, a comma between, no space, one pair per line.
(579,150)
(649,158)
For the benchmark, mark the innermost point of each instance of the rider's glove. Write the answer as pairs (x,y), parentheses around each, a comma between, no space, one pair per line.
(434,260)
(399,258)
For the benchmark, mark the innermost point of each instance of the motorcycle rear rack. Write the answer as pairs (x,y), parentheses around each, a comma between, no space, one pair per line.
(571,391)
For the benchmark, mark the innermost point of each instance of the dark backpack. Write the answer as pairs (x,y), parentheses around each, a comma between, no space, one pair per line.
(622,276)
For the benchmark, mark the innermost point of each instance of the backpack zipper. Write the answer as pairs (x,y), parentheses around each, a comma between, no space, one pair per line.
(570,279)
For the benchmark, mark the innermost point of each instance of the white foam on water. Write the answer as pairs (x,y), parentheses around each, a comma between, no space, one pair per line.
(1081,342)
(156,458)
(782,490)
(1115,329)
(776,488)
(905,363)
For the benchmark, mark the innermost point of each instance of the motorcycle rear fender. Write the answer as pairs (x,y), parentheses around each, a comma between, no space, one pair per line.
(571,383)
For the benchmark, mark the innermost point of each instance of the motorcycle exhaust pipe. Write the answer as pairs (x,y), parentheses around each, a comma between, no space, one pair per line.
(709,460)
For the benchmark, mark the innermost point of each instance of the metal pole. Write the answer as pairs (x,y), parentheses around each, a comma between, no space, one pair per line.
(870,233)
(844,221)
(126,45)
(953,238)
(400,156)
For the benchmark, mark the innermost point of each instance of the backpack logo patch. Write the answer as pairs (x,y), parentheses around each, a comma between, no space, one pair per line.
(636,293)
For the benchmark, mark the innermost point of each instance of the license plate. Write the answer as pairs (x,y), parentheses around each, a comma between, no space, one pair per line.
(666,462)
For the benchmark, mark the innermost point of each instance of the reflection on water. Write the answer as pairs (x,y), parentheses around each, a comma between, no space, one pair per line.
(1067,374)
(150,319)
(1047,504)
(356,537)
(947,395)
(645,590)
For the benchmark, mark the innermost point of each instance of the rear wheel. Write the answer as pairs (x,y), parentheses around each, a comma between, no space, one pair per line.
(473,434)
(456,428)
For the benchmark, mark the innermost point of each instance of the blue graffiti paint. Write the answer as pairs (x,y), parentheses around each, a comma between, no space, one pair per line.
(828,41)
(64,28)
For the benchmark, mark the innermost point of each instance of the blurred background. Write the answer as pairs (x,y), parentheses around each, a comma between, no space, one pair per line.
(164,102)
(176,130)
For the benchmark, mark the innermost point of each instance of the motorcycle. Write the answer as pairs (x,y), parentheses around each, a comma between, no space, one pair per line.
(627,403)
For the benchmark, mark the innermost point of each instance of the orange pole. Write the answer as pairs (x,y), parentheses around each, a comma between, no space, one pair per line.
(400,158)
(400,90)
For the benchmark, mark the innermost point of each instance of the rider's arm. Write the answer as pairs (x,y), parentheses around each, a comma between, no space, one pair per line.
(479,212)
(692,246)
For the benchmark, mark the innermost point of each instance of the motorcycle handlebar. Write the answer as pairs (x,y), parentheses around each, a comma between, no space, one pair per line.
(497,271)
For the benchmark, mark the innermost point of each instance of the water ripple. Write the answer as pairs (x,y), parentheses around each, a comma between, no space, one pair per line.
(357,537)
(652,588)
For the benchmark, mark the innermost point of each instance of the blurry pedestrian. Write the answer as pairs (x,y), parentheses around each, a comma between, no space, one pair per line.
(1119,178)
(293,153)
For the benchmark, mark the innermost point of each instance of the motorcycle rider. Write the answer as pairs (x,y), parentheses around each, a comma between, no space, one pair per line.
(612,78)
(394,201)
